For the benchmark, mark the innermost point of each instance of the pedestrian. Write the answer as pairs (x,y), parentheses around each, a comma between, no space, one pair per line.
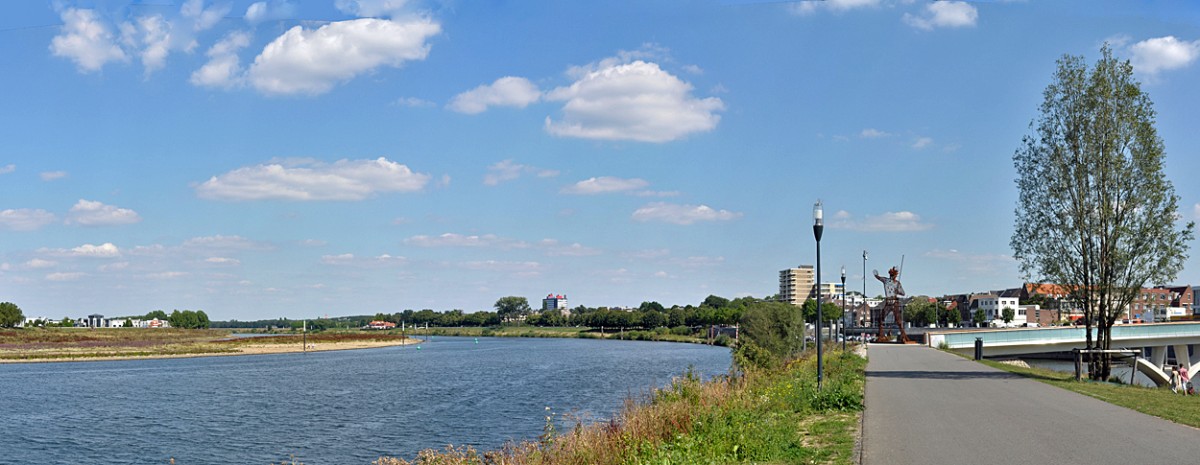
(1174,378)
(1184,379)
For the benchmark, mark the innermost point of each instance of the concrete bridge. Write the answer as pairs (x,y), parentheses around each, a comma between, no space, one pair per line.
(1183,338)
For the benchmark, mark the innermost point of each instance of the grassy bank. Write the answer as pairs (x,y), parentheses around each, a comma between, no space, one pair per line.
(51,344)
(763,417)
(565,332)
(1159,402)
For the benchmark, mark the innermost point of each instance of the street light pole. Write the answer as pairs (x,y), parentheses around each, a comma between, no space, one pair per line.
(818,228)
(843,308)
(866,308)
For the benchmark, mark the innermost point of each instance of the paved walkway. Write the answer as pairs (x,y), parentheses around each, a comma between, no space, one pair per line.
(925,406)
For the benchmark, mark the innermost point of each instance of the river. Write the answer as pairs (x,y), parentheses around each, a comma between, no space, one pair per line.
(326,408)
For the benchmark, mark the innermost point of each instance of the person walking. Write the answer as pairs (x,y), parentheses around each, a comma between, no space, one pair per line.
(1174,378)
(1184,379)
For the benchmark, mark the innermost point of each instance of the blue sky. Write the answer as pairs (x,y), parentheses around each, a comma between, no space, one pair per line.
(297,159)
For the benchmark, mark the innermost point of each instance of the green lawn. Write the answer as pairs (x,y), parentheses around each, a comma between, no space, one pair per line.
(1159,402)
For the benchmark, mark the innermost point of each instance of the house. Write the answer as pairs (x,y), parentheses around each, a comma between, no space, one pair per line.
(379,324)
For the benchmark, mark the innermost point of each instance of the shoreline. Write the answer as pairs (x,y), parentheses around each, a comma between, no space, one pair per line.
(249,349)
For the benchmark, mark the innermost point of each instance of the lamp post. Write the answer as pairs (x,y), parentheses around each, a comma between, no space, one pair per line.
(818,228)
(843,322)
(866,308)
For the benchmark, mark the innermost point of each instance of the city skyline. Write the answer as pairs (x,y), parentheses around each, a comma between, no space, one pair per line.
(301,158)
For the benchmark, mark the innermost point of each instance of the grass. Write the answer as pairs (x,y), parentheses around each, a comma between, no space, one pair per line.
(762,417)
(1159,402)
(47,344)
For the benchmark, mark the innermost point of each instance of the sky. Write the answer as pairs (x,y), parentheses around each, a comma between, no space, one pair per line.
(340,157)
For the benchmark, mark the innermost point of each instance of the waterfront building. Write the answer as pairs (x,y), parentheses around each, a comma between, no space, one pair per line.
(556,302)
(797,285)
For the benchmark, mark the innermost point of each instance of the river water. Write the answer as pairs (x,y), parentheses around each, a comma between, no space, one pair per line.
(326,408)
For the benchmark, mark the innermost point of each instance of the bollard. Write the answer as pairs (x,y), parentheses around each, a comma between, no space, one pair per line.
(979,348)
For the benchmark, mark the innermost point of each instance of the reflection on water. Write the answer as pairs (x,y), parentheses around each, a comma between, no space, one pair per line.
(346,407)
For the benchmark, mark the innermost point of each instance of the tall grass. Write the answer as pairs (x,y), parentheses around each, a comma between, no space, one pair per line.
(760,416)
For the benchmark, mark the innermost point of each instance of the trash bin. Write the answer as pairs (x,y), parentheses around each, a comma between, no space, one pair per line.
(979,348)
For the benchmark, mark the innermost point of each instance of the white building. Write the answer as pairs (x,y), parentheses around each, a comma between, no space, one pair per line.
(993,310)
(556,302)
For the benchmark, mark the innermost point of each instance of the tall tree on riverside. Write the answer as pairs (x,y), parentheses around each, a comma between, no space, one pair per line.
(10,315)
(512,307)
(1096,213)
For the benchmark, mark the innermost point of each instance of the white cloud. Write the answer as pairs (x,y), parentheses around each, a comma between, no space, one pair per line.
(223,69)
(1152,56)
(105,250)
(39,263)
(7,168)
(72,276)
(872,133)
(944,14)
(555,249)
(269,11)
(118,266)
(223,261)
(307,180)
(86,40)
(25,219)
(903,221)
(221,242)
(312,61)
(682,214)
(52,175)
(413,102)
(636,101)
(507,91)
(807,7)
(166,275)
(92,213)
(506,266)
(604,185)
(460,240)
(337,259)
(508,170)
(348,259)
(922,142)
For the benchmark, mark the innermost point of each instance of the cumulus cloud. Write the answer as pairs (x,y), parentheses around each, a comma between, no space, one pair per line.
(86,39)
(943,14)
(269,11)
(638,100)
(372,7)
(348,259)
(52,175)
(682,214)
(555,249)
(25,219)
(604,185)
(93,213)
(223,69)
(7,168)
(105,250)
(872,133)
(904,221)
(39,263)
(223,261)
(303,61)
(310,180)
(508,170)
(1152,56)
(808,7)
(507,91)
(922,142)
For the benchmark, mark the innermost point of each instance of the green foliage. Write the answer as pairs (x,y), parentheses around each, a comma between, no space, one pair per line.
(1008,314)
(188,319)
(512,307)
(127,324)
(770,332)
(159,314)
(10,315)
(978,317)
(66,322)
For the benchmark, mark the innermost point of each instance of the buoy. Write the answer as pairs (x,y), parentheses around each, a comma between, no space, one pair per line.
(476,340)
(418,347)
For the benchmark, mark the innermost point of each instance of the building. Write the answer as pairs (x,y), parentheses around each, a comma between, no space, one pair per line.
(555,302)
(797,285)
(832,291)
(380,324)
(993,309)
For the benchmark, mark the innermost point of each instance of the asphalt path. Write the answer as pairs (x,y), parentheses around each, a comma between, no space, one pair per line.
(927,406)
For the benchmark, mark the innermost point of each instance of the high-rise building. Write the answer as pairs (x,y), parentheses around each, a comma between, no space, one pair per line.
(554,302)
(796,285)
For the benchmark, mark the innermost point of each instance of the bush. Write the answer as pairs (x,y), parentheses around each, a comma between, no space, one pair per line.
(681,330)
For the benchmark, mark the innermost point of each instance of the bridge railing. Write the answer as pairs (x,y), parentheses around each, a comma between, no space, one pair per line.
(957,340)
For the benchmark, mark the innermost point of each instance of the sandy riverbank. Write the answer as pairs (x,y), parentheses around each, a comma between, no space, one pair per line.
(240,349)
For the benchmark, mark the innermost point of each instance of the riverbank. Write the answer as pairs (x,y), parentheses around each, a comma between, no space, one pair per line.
(774,416)
(35,345)
(662,334)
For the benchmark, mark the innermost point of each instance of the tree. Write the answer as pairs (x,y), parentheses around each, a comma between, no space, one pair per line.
(512,307)
(771,332)
(67,322)
(978,317)
(953,317)
(1008,314)
(714,302)
(651,305)
(127,324)
(1096,214)
(156,314)
(10,315)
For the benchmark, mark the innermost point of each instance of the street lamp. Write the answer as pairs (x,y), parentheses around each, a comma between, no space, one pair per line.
(843,322)
(818,228)
(866,308)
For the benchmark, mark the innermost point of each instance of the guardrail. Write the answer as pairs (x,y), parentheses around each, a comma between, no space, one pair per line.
(960,340)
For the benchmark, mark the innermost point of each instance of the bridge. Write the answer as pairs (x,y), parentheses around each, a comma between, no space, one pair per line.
(1183,338)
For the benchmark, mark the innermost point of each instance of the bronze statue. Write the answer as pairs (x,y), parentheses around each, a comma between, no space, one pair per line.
(892,291)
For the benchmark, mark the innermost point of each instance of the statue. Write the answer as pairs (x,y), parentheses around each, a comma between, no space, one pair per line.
(892,291)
